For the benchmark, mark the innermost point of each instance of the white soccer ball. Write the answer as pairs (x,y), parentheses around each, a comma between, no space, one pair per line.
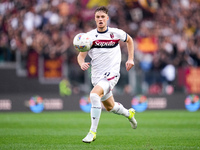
(82,42)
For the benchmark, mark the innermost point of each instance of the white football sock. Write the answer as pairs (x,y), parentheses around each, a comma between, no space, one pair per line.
(95,112)
(120,110)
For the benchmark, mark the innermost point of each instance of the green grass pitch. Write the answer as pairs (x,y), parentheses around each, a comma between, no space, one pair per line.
(157,130)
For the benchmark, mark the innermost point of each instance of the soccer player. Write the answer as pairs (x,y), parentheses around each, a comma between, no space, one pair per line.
(105,63)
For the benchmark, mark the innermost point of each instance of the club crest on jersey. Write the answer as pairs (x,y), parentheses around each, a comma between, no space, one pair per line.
(112,35)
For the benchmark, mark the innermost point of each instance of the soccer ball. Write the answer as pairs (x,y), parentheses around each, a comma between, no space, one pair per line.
(82,42)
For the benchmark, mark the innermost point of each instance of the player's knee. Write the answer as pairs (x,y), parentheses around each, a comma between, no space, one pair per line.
(95,99)
(104,84)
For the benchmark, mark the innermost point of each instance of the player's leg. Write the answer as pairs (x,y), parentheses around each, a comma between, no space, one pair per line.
(109,102)
(115,107)
(95,113)
(118,108)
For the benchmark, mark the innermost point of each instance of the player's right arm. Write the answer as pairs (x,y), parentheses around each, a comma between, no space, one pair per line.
(81,60)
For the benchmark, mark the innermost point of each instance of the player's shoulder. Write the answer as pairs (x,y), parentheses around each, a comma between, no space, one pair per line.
(113,29)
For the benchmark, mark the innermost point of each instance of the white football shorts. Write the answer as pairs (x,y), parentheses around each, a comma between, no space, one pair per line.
(108,82)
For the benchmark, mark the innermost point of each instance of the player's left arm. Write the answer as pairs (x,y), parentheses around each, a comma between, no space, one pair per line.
(130,47)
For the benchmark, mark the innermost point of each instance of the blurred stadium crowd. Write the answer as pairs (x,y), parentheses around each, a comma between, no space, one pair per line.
(48,27)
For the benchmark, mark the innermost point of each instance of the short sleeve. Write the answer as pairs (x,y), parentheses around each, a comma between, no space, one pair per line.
(122,35)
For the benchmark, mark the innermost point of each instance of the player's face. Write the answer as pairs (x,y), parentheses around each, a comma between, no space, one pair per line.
(101,19)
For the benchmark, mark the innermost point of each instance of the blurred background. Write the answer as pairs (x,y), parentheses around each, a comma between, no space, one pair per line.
(37,56)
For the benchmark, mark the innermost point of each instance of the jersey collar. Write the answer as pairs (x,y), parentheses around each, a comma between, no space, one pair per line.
(103,31)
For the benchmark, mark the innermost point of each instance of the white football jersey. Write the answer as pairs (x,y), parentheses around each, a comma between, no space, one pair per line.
(105,53)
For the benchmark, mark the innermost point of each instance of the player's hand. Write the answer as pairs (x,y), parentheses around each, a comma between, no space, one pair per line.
(129,64)
(85,66)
